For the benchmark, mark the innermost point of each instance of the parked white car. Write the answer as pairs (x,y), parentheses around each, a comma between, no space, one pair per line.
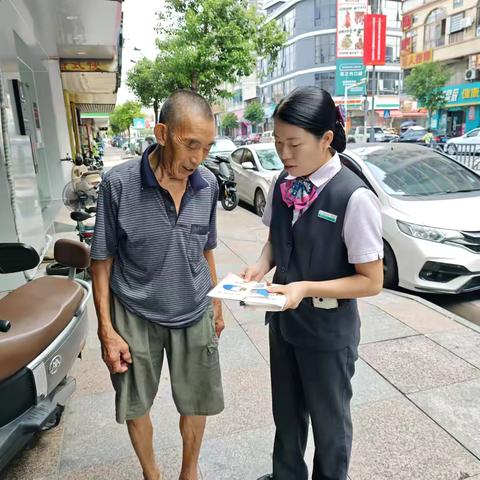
(470,138)
(267,137)
(254,167)
(431,225)
(357,134)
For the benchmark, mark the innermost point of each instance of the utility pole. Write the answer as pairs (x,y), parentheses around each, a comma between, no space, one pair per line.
(376,8)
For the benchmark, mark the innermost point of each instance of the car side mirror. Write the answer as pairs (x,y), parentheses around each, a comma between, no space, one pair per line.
(248,166)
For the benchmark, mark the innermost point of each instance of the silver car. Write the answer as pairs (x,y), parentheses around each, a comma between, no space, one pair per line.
(255,166)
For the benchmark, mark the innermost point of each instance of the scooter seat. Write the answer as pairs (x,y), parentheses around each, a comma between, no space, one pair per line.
(38,311)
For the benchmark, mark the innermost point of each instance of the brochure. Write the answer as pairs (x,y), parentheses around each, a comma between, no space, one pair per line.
(251,295)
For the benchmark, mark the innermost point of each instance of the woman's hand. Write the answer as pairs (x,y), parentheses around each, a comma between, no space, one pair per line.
(254,273)
(295,293)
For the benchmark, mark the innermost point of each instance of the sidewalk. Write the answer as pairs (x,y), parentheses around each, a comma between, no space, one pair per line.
(416,396)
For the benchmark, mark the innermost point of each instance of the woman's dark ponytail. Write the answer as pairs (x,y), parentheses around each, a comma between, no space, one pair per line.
(339,142)
(314,110)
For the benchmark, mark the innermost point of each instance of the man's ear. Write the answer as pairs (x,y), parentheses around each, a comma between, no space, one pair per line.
(160,132)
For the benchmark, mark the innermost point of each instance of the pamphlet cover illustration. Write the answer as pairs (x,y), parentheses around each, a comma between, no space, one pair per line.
(252,295)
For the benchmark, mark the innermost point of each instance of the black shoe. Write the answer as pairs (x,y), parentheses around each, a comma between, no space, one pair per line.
(269,476)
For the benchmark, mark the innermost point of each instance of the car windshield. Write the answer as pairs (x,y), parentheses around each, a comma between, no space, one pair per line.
(223,145)
(269,159)
(417,172)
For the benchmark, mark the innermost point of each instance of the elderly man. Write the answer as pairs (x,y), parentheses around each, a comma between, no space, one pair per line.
(152,266)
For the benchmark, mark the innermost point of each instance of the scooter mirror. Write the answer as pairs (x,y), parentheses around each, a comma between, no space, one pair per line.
(17,257)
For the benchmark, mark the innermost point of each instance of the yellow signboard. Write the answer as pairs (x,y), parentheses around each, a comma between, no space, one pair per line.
(410,60)
(87,66)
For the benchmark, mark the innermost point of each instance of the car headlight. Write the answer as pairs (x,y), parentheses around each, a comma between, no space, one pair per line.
(429,233)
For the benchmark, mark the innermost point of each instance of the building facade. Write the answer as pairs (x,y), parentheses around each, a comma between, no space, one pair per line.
(449,32)
(59,72)
(309,57)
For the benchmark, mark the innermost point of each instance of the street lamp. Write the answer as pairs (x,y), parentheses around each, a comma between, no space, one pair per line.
(347,88)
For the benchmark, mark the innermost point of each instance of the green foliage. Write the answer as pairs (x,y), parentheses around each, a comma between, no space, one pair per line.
(122,116)
(424,83)
(206,44)
(254,112)
(149,83)
(229,121)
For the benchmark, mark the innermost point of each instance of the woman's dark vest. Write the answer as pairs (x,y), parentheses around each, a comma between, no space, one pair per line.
(313,250)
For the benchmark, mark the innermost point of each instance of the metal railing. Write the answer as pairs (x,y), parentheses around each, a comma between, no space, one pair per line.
(468,155)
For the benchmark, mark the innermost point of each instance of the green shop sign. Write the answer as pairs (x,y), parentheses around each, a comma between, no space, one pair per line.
(349,71)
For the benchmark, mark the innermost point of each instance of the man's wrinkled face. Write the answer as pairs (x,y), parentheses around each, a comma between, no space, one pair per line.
(186,144)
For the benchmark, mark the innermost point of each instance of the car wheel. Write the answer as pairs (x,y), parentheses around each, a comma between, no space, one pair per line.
(259,203)
(451,149)
(390,268)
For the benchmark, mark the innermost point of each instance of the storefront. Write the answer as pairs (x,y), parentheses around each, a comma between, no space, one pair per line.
(462,110)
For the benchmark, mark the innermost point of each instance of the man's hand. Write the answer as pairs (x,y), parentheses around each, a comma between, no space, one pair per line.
(219,324)
(254,273)
(295,293)
(218,317)
(115,351)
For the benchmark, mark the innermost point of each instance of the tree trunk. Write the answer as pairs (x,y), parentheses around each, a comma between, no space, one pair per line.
(155,110)
(429,119)
(194,85)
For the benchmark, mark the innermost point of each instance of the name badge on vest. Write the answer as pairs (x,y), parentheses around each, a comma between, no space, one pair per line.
(327,216)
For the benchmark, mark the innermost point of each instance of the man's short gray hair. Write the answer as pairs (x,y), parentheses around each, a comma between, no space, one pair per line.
(181,102)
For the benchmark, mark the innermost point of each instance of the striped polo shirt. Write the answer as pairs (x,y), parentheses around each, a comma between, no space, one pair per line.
(159,270)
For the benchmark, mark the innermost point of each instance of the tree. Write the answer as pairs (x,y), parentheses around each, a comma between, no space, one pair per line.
(229,122)
(210,43)
(149,83)
(424,83)
(122,116)
(254,113)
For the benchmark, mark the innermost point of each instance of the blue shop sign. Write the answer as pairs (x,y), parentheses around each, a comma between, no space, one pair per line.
(462,95)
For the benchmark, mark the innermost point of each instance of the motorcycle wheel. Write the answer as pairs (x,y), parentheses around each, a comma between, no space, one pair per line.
(230,202)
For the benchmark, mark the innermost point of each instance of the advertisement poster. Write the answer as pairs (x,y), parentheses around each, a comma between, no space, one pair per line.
(350,72)
(350,24)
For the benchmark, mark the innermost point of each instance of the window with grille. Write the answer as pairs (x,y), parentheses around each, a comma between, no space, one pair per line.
(435,29)
(325,49)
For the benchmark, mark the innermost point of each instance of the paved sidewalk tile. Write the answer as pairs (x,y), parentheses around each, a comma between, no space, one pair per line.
(243,456)
(378,325)
(457,409)
(414,314)
(416,363)
(394,440)
(369,386)
(465,343)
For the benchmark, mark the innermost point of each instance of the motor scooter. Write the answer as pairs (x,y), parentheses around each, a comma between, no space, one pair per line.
(227,187)
(43,329)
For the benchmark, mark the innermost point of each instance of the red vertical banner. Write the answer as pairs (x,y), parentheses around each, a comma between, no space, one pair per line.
(375,39)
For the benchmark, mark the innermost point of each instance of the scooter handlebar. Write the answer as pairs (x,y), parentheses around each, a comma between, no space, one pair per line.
(5,326)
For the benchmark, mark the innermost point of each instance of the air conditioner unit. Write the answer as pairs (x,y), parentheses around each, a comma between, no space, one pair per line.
(471,74)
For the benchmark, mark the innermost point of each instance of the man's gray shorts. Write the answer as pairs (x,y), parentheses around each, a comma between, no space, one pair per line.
(193,360)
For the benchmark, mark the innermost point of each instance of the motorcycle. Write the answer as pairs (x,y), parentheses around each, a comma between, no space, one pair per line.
(227,186)
(43,329)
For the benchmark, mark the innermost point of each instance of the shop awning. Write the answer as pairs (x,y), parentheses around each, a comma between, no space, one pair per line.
(399,114)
